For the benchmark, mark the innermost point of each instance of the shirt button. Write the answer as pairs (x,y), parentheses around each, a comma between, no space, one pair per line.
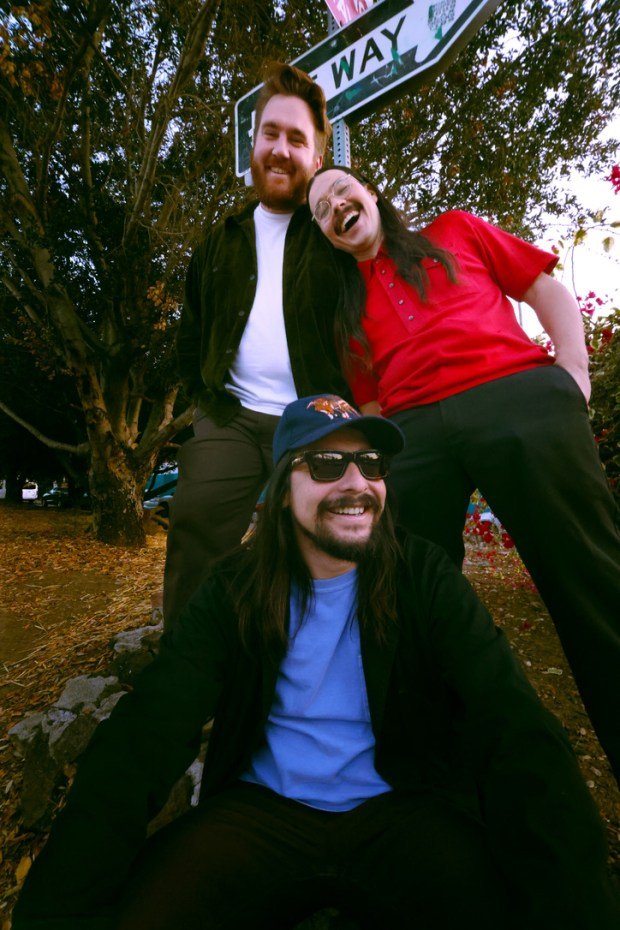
(252,277)
(401,302)
(228,351)
(383,271)
(410,317)
(391,284)
(242,313)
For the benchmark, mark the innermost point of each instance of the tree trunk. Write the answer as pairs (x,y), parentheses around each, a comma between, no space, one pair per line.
(116,496)
(117,511)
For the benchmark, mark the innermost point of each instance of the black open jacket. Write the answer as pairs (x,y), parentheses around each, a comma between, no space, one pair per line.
(452,713)
(219,293)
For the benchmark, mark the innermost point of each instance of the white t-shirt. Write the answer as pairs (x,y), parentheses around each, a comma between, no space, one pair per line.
(261,375)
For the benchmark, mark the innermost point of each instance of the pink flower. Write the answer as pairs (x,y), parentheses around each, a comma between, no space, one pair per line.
(614,178)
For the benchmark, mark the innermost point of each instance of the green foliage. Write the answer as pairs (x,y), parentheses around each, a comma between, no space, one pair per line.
(604,342)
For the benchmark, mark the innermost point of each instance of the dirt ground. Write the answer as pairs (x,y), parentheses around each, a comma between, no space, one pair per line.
(63,596)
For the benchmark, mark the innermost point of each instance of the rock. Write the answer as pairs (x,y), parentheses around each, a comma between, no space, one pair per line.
(185,793)
(195,773)
(86,691)
(178,803)
(145,637)
(51,740)
(107,706)
(25,732)
(41,775)
(55,722)
(134,650)
(67,743)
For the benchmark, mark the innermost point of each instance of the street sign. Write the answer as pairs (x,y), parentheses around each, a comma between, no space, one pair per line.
(393,47)
(344,11)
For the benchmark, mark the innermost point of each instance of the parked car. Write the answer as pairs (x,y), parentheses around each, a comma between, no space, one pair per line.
(159,491)
(56,497)
(30,491)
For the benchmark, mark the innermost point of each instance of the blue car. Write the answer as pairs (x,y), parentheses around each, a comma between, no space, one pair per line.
(56,497)
(159,491)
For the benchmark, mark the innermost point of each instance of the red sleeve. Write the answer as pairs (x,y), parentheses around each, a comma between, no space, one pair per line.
(513,263)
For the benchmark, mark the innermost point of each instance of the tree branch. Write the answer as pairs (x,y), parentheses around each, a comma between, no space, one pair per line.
(157,438)
(12,288)
(82,62)
(18,187)
(81,449)
(191,54)
(91,216)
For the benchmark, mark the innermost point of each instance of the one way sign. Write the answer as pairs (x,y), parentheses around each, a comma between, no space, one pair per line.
(393,46)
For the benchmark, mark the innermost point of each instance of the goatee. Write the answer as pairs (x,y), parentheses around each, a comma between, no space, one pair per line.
(349,550)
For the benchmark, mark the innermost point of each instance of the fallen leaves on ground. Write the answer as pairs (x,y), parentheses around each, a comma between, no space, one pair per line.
(63,596)
(502,582)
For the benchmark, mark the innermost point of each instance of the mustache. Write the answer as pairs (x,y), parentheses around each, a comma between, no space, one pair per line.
(349,500)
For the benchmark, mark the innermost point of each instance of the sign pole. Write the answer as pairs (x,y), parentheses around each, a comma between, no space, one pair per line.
(341,141)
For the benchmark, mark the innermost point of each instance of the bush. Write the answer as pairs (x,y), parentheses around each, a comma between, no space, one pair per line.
(603,338)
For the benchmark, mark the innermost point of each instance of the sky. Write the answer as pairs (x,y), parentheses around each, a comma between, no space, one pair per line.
(587,267)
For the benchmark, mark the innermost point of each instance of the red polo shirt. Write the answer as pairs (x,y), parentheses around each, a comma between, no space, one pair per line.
(463,334)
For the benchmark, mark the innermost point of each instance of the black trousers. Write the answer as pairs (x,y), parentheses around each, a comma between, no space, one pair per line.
(248,858)
(222,471)
(525,441)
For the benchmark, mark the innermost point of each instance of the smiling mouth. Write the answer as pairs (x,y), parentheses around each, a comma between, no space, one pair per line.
(349,511)
(350,507)
(347,220)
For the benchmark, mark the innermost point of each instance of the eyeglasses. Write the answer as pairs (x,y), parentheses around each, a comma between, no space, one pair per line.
(339,188)
(330,465)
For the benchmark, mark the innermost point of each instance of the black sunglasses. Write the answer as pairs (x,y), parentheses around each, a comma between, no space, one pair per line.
(330,465)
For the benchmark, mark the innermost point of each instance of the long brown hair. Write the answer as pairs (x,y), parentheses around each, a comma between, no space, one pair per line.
(271,564)
(405,247)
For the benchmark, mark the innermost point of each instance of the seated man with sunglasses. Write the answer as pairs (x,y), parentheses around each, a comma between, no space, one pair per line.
(376,746)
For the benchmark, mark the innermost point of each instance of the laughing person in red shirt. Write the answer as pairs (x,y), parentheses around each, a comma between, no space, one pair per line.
(430,340)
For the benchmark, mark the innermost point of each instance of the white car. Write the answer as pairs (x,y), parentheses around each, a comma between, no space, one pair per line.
(30,491)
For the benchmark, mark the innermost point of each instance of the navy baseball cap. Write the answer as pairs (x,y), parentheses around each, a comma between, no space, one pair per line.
(311,418)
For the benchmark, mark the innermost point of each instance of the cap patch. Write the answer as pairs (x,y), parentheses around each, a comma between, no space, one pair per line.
(334,407)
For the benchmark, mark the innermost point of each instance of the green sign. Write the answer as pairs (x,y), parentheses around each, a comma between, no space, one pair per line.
(391,48)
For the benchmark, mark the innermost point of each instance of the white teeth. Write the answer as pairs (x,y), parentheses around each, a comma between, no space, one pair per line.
(350,511)
(278,170)
(347,219)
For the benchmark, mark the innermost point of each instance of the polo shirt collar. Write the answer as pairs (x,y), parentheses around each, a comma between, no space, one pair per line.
(367,267)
